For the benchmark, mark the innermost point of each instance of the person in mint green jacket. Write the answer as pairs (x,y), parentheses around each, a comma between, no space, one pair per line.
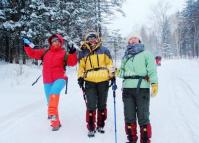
(138,70)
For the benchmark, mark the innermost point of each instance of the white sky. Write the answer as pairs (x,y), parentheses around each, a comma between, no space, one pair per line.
(138,12)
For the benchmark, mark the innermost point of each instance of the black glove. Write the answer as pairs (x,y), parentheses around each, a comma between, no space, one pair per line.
(113,83)
(71,49)
(81,82)
(112,80)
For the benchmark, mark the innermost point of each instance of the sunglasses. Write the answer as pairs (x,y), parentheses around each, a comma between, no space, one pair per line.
(91,37)
(54,40)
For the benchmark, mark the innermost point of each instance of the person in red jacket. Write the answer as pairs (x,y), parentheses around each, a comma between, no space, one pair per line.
(54,60)
(158,60)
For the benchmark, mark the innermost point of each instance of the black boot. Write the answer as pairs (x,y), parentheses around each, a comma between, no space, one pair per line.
(91,134)
(100,130)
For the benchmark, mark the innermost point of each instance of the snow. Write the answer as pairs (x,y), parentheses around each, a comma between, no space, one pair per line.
(11,25)
(174,112)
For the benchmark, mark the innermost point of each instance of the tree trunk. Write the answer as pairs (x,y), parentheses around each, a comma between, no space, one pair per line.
(7,48)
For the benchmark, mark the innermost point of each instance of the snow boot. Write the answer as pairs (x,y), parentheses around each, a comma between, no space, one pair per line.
(131,132)
(100,130)
(101,117)
(145,133)
(90,119)
(91,134)
(49,117)
(53,112)
(55,123)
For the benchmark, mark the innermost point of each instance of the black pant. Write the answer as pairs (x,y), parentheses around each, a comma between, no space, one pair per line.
(136,105)
(96,94)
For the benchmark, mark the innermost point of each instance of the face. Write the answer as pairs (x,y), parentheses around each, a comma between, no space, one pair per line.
(56,44)
(92,41)
(133,40)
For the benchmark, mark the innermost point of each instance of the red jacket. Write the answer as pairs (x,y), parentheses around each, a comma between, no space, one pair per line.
(53,61)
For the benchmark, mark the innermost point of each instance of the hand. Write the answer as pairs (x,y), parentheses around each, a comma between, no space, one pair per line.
(117,72)
(154,88)
(81,82)
(112,80)
(113,83)
(71,49)
(112,72)
(28,42)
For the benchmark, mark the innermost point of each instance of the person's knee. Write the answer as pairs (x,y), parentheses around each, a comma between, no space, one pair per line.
(101,106)
(130,119)
(91,107)
(143,118)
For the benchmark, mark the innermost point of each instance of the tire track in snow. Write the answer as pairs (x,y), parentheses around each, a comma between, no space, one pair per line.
(13,119)
(185,120)
(190,91)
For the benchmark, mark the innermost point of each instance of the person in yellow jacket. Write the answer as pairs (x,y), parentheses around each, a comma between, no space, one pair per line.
(94,74)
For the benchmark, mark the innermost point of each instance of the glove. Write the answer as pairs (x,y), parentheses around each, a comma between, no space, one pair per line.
(154,88)
(27,42)
(81,82)
(71,49)
(113,83)
(117,72)
(112,80)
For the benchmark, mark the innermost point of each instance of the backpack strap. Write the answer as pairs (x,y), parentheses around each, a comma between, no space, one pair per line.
(65,64)
(123,66)
(42,57)
(65,60)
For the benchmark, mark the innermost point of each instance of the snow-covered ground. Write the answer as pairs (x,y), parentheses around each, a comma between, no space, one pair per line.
(23,115)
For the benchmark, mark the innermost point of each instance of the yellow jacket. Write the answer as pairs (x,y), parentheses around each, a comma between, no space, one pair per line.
(95,64)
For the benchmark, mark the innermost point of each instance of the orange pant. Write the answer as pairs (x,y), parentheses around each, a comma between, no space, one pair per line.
(53,110)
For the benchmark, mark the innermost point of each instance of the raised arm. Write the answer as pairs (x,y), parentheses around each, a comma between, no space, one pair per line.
(31,52)
(72,56)
(34,53)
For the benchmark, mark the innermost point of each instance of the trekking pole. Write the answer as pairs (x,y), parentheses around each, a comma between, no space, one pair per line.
(36,80)
(114,87)
(84,95)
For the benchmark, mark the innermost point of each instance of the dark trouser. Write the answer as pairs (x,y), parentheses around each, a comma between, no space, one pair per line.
(137,106)
(96,94)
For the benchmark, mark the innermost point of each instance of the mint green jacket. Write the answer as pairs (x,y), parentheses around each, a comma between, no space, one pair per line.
(142,64)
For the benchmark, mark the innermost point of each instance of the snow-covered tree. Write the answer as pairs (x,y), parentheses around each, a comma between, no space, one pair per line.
(189,32)
(38,19)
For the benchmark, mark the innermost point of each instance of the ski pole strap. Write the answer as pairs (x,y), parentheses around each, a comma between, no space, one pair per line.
(36,80)
(140,78)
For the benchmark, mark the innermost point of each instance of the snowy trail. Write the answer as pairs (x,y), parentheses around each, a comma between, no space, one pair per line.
(177,103)
(13,119)
(174,112)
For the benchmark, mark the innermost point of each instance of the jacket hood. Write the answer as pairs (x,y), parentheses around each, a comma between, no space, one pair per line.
(58,36)
(86,46)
